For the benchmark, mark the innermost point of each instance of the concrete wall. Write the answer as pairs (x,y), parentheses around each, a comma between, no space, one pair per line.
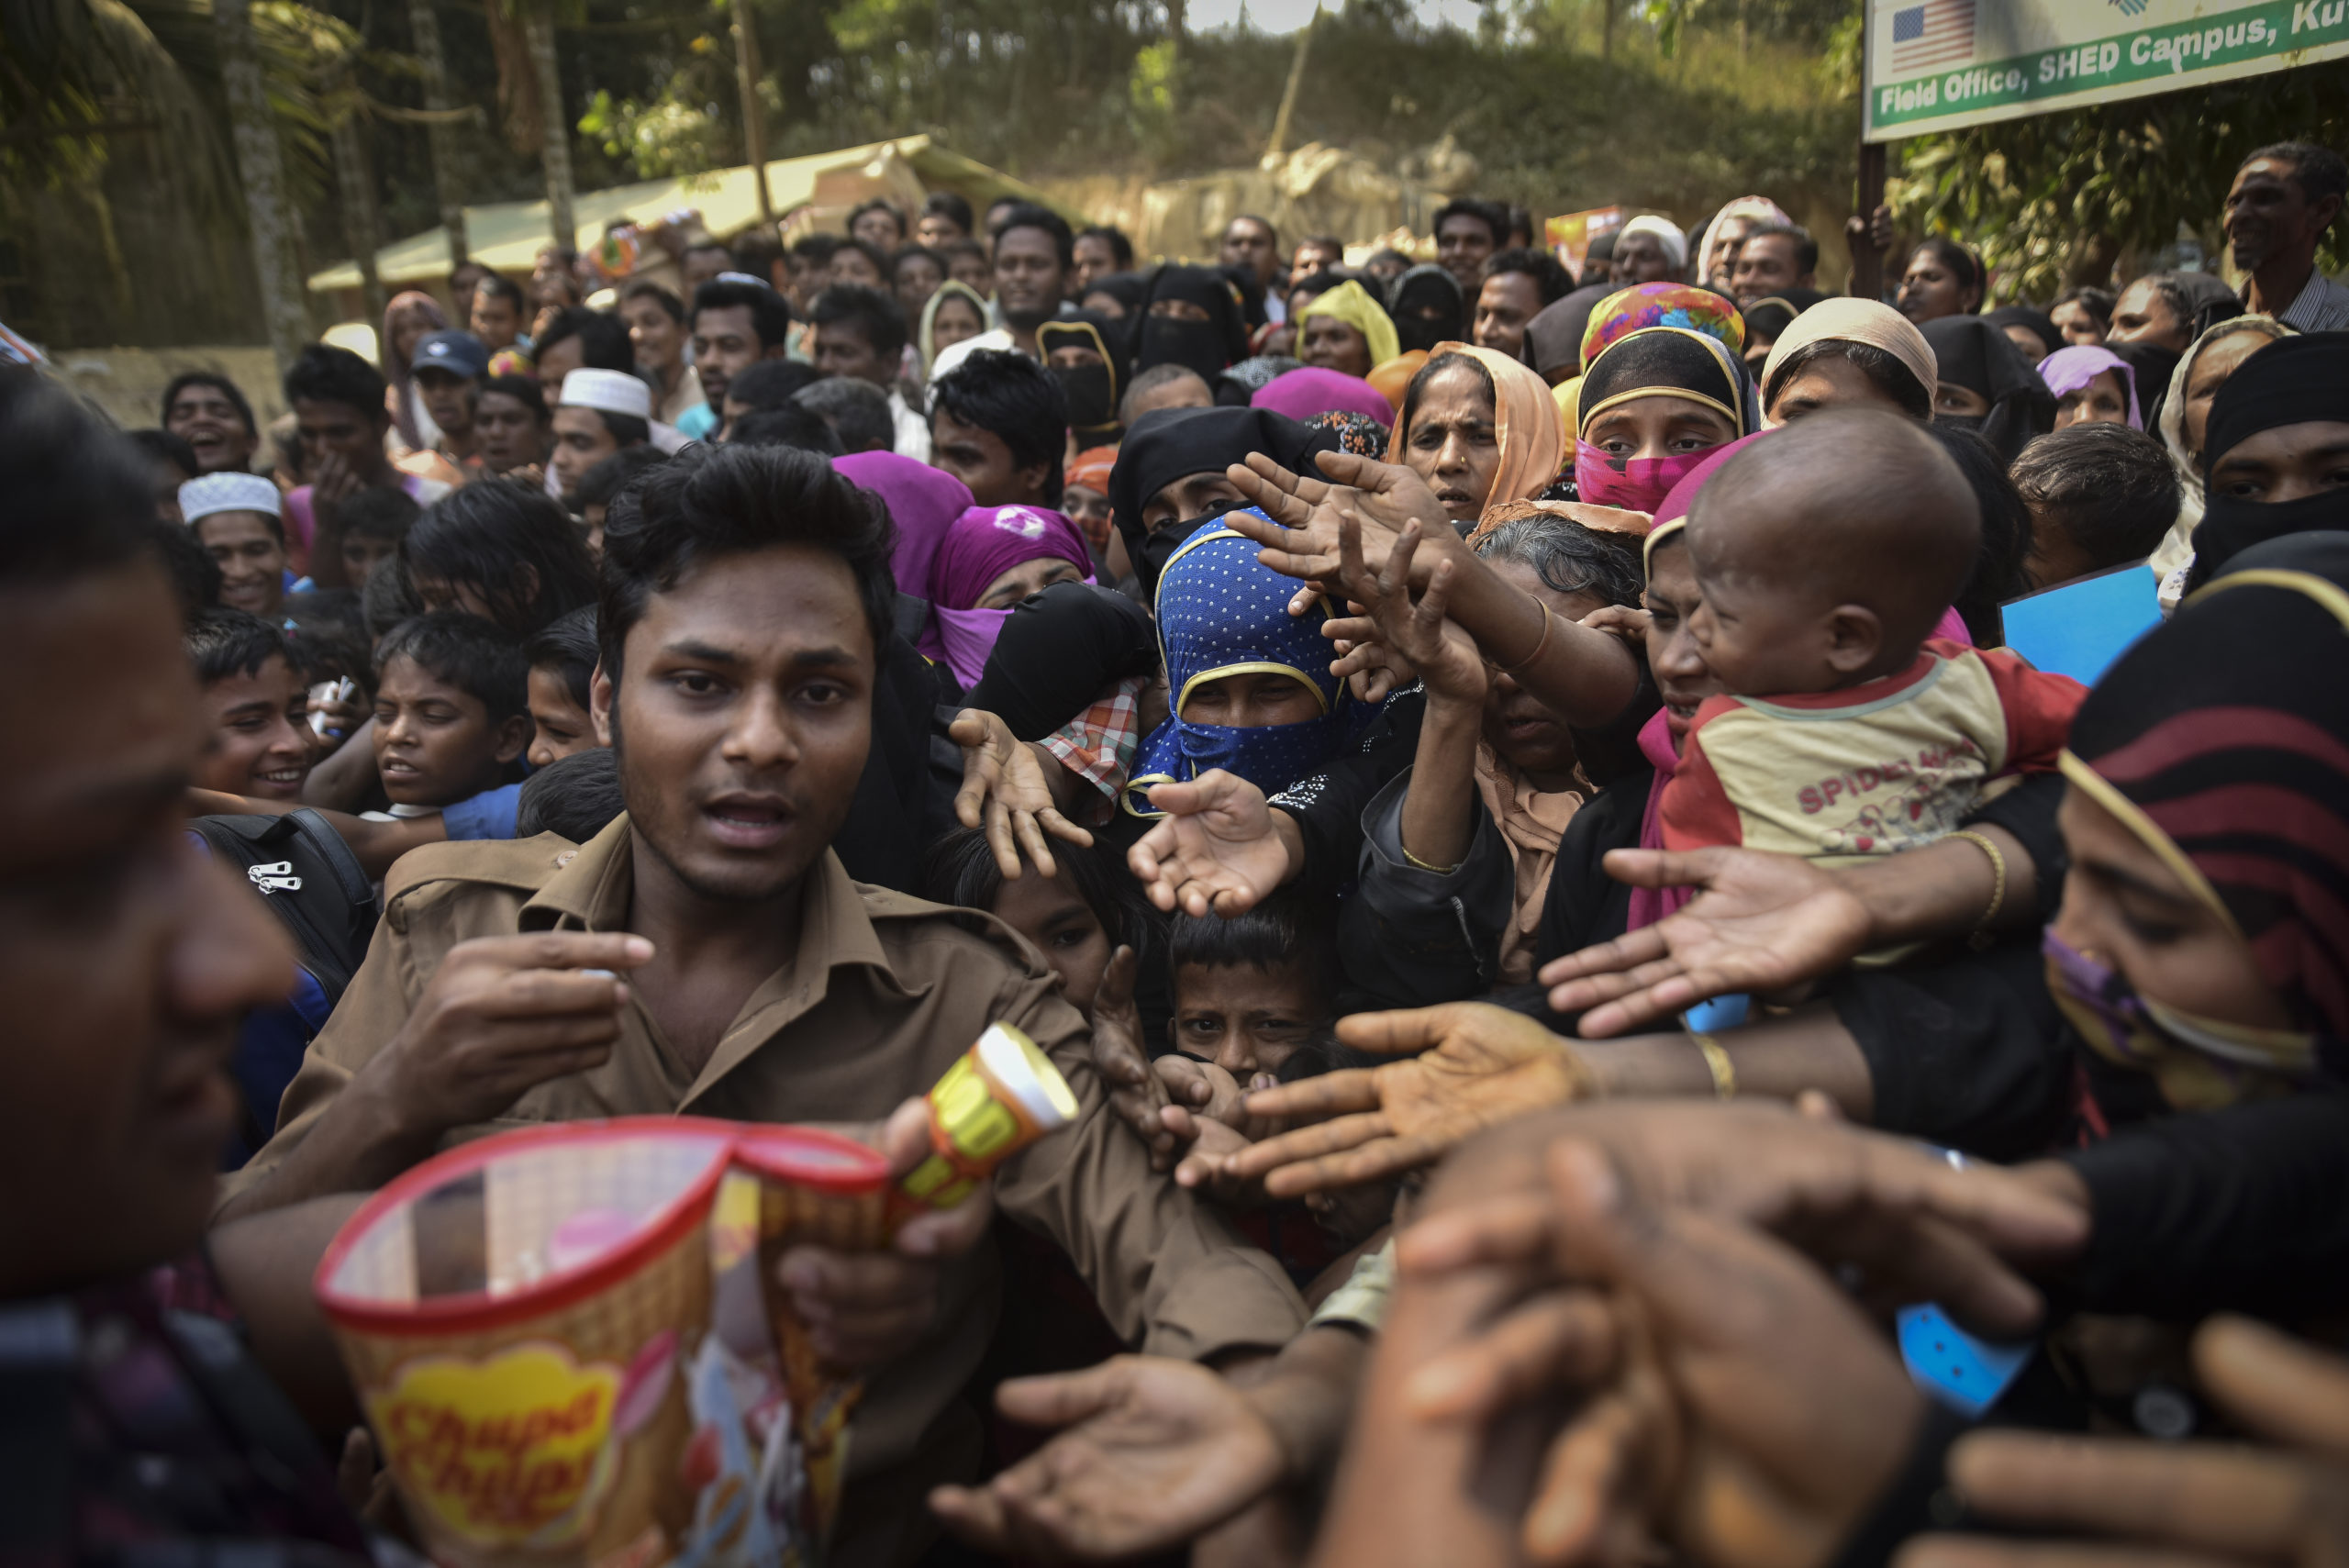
(129,383)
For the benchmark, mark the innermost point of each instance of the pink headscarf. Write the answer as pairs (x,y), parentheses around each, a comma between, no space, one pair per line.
(395,365)
(2067,370)
(983,543)
(1310,390)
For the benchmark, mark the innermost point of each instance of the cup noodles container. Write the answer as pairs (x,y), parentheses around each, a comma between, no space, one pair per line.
(516,1315)
(1000,1096)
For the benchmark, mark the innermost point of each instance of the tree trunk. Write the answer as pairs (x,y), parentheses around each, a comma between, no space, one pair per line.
(355,178)
(1175,13)
(754,119)
(1607,28)
(261,170)
(562,223)
(424,25)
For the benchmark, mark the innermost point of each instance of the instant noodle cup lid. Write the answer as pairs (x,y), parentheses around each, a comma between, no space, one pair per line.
(508,1227)
(1022,1070)
(812,1157)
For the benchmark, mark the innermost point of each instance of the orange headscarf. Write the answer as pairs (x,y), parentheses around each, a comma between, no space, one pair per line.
(1526,424)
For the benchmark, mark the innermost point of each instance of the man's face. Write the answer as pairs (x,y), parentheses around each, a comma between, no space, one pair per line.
(741,718)
(725,345)
(252,559)
(659,341)
(936,230)
(1764,267)
(851,265)
(338,429)
(361,553)
(1639,259)
(511,433)
(1094,258)
(1720,266)
(1247,243)
(2142,316)
(878,227)
(972,268)
(917,278)
(448,398)
(1027,275)
(254,726)
(1461,245)
(205,418)
(1507,303)
(2269,216)
(842,348)
(551,283)
(556,360)
(582,441)
(701,264)
(127,958)
(981,460)
(495,320)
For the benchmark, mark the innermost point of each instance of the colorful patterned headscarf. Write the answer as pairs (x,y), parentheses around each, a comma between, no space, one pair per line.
(1222,612)
(1642,305)
(1357,433)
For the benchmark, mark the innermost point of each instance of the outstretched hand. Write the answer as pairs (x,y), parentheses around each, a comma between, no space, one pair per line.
(1219,848)
(1445,656)
(1005,788)
(1301,540)
(1759,923)
(1136,1094)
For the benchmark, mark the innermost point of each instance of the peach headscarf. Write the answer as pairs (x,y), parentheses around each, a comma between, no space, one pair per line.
(1856,321)
(1526,424)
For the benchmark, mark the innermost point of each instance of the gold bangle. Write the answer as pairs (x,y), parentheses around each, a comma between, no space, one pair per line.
(1546,618)
(1440,870)
(1982,937)
(1717,1064)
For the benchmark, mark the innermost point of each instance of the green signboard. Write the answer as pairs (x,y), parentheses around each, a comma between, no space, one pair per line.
(1941,64)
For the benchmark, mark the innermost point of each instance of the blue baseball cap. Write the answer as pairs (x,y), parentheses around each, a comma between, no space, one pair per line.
(456,352)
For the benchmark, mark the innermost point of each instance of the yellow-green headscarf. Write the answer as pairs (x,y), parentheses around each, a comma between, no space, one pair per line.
(1351,304)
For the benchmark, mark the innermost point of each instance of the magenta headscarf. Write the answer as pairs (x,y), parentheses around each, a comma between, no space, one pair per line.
(2067,370)
(923,501)
(983,543)
(1310,390)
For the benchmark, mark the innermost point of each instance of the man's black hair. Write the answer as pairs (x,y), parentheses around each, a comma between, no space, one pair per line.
(869,250)
(1550,276)
(1492,215)
(171,449)
(951,207)
(505,541)
(789,426)
(575,797)
(645,288)
(967,246)
(324,374)
(523,389)
(80,498)
(1891,377)
(857,411)
(1313,285)
(626,429)
(1271,231)
(603,339)
(605,480)
(1288,929)
(384,601)
(713,502)
(475,656)
(220,383)
(2173,294)
(196,576)
(961,870)
(2317,171)
(1121,250)
(497,286)
(1806,247)
(772,384)
(2097,302)
(1017,400)
(225,642)
(377,513)
(877,314)
(1028,214)
(879,204)
(567,646)
(908,253)
(815,248)
(769,312)
(756,253)
(2111,487)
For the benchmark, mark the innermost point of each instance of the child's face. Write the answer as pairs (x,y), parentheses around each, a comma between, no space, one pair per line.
(1245,1019)
(252,559)
(361,553)
(1762,631)
(255,733)
(564,728)
(1048,912)
(435,744)
(1254,701)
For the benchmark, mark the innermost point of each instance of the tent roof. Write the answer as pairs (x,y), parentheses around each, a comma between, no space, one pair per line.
(506,235)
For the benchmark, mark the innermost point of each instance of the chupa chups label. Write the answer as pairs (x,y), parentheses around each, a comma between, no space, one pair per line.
(507,1451)
(999,1096)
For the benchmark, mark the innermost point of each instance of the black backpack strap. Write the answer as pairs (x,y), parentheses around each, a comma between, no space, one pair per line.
(319,834)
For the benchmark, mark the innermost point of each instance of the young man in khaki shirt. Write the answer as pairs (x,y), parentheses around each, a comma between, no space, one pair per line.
(743,605)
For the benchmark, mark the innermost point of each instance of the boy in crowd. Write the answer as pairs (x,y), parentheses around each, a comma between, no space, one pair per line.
(337,402)
(1849,730)
(763,388)
(735,325)
(945,218)
(374,521)
(255,705)
(562,661)
(605,480)
(447,368)
(860,333)
(998,422)
(512,428)
(576,338)
(602,413)
(1250,989)
(451,710)
(496,315)
(2101,495)
(857,412)
(234,517)
(210,414)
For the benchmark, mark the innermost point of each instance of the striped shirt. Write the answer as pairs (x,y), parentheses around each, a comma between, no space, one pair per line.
(2323,306)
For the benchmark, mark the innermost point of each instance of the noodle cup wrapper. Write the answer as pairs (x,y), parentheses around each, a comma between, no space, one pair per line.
(516,1315)
(1000,1096)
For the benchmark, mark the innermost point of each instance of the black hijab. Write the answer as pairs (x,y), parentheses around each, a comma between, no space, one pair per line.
(1092,390)
(2150,367)
(1977,356)
(1766,321)
(2294,380)
(1129,289)
(1169,444)
(2042,326)
(1055,652)
(1426,287)
(1205,346)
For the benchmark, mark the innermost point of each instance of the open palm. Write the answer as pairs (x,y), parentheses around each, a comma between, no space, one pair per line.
(1302,539)
(1215,850)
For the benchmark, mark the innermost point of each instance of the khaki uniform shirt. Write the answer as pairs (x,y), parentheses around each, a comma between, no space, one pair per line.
(885,992)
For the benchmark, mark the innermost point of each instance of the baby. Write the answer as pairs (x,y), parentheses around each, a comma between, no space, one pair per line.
(1824,555)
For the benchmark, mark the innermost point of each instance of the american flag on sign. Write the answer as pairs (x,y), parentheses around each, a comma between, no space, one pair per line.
(1937,33)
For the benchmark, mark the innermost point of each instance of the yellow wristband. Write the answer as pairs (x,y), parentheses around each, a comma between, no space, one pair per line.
(1982,842)
(1717,1064)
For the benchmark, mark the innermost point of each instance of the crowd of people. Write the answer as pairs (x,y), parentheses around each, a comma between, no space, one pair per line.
(1614,1019)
